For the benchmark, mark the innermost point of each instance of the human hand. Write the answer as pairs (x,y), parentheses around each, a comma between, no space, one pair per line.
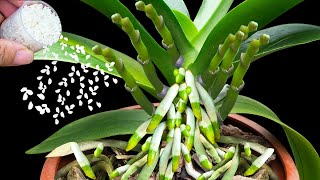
(12,53)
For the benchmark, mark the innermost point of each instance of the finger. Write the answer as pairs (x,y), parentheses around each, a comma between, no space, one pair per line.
(7,8)
(17,3)
(13,54)
(1,18)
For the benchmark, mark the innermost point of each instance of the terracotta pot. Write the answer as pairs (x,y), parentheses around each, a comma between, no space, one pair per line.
(283,165)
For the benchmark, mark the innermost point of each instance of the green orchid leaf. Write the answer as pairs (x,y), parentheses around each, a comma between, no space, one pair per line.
(97,126)
(180,39)
(178,5)
(189,29)
(157,54)
(66,50)
(282,37)
(306,157)
(209,14)
(230,23)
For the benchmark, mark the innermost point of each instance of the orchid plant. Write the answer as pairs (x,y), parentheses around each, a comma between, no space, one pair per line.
(204,61)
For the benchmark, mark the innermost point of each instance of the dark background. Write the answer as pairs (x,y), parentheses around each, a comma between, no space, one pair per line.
(285,81)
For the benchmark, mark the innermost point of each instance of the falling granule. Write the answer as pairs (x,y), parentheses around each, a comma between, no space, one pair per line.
(115,81)
(80,76)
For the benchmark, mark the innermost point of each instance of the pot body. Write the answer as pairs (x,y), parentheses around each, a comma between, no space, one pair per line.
(283,165)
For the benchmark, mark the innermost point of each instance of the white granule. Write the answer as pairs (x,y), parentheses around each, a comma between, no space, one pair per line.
(34,25)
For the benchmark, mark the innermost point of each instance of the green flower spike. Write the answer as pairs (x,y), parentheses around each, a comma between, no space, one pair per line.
(237,79)
(206,127)
(155,142)
(82,160)
(98,150)
(171,116)
(167,40)
(137,135)
(190,121)
(211,110)
(176,149)
(164,159)
(226,67)
(193,96)
(209,76)
(259,162)
(130,82)
(163,107)
(138,44)
(227,62)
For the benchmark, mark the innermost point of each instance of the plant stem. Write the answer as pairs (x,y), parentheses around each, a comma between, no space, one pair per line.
(130,82)
(237,79)
(143,55)
(162,29)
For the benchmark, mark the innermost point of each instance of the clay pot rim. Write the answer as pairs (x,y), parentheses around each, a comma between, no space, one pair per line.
(51,164)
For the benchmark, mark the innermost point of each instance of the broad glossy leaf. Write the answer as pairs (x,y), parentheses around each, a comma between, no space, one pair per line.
(181,41)
(306,157)
(189,29)
(157,54)
(263,12)
(57,52)
(209,14)
(178,5)
(282,37)
(97,126)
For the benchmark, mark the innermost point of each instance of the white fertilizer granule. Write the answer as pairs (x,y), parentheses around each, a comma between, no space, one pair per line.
(35,25)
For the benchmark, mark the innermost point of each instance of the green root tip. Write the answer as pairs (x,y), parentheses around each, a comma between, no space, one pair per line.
(201,177)
(133,141)
(154,122)
(151,157)
(175,163)
(187,157)
(251,170)
(114,174)
(161,177)
(206,164)
(188,90)
(88,172)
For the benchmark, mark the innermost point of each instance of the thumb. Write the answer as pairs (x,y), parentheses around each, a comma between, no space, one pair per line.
(13,54)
